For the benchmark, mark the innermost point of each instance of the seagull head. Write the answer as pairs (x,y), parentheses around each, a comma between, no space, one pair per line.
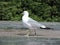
(25,13)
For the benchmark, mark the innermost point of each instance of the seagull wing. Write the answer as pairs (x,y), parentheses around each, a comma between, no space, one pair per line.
(35,23)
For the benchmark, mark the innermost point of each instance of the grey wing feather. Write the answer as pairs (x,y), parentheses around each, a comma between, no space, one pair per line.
(35,23)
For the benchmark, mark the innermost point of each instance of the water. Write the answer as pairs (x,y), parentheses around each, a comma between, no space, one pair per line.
(18,25)
(28,41)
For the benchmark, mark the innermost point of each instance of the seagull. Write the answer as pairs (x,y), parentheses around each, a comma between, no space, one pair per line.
(30,23)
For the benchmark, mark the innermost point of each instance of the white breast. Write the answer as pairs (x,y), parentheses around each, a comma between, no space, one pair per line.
(25,19)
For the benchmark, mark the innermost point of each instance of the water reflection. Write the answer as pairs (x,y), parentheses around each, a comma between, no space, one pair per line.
(28,41)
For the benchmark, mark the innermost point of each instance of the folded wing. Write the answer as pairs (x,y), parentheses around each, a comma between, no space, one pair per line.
(35,23)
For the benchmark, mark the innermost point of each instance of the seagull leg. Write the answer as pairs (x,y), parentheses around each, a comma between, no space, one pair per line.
(28,32)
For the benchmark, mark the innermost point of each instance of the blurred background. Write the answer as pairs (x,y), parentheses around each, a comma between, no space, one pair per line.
(40,10)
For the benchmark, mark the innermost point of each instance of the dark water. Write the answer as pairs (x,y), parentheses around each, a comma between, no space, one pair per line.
(28,41)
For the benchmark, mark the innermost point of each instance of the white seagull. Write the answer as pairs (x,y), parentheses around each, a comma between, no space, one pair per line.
(29,22)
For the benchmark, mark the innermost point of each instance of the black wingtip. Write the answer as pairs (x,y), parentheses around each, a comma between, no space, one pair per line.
(46,28)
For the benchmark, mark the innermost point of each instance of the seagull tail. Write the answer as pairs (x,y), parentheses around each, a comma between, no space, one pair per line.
(43,26)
